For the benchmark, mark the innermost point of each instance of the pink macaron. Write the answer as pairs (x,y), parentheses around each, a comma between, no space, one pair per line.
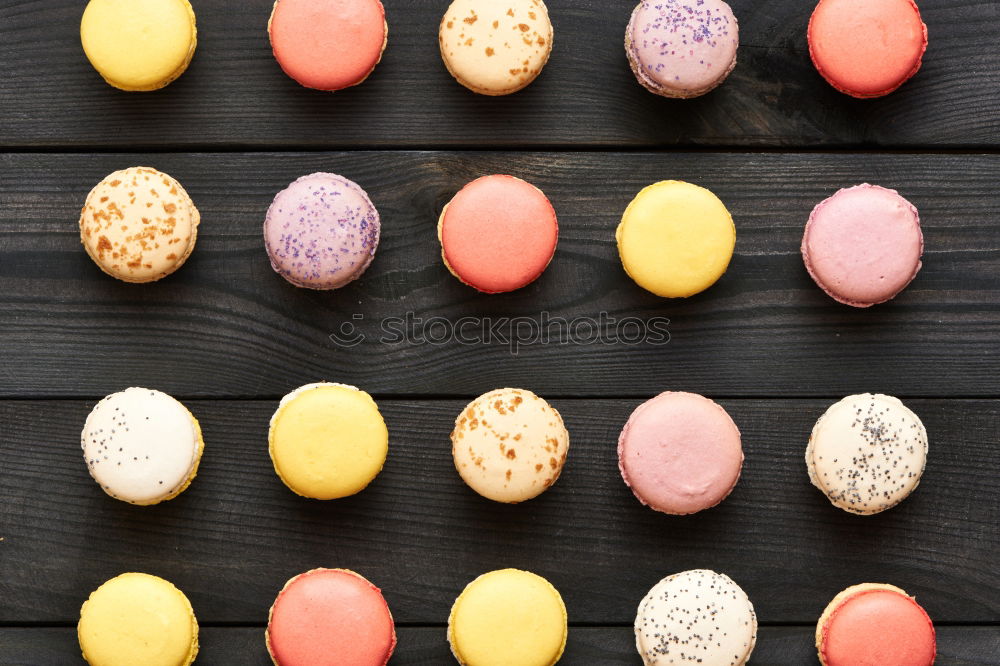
(498,234)
(863,245)
(680,453)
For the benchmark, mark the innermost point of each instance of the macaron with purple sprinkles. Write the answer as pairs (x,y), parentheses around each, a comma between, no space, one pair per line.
(321,232)
(682,48)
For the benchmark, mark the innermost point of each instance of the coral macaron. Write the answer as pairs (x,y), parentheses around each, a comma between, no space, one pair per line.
(875,624)
(328,44)
(867,48)
(330,617)
(498,234)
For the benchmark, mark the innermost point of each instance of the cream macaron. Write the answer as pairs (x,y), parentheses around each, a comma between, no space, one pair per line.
(139,225)
(867,453)
(142,446)
(509,445)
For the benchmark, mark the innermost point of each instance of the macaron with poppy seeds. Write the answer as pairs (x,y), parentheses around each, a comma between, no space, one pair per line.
(682,48)
(867,48)
(874,624)
(327,441)
(680,453)
(139,225)
(330,617)
(498,234)
(328,44)
(136,618)
(509,445)
(321,232)
(676,239)
(142,446)
(697,616)
(863,245)
(508,618)
(495,48)
(139,45)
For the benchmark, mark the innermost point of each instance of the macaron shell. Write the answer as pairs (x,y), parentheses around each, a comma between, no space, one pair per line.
(328,441)
(508,618)
(142,446)
(874,625)
(498,234)
(328,44)
(676,239)
(863,245)
(697,616)
(330,617)
(867,48)
(321,232)
(509,445)
(495,48)
(682,49)
(139,45)
(139,225)
(680,453)
(867,453)
(134,619)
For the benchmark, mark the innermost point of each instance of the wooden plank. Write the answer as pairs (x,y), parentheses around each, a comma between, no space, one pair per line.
(237,534)
(234,94)
(424,646)
(227,326)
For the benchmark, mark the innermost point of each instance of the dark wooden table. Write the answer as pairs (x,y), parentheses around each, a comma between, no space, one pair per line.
(229,337)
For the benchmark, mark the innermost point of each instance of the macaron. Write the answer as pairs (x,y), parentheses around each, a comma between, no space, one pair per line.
(508,618)
(139,45)
(875,625)
(867,453)
(509,445)
(867,48)
(137,618)
(676,239)
(321,232)
(330,617)
(697,616)
(498,234)
(328,44)
(863,245)
(142,446)
(682,49)
(495,48)
(139,225)
(327,441)
(680,453)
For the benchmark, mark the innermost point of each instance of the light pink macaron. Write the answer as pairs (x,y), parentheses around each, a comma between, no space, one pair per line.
(863,245)
(680,453)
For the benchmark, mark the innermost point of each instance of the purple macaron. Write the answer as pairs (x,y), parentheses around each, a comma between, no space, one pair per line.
(321,232)
(682,48)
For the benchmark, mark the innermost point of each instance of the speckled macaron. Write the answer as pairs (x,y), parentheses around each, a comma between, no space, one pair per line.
(321,232)
(139,225)
(682,48)
(509,445)
(867,453)
(142,446)
(493,47)
(697,616)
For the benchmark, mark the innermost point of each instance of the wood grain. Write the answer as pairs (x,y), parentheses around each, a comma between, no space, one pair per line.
(235,95)
(232,539)
(226,325)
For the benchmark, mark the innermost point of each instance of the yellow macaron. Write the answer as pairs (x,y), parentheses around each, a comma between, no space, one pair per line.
(508,618)
(137,618)
(676,239)
(139,45)
(328,441)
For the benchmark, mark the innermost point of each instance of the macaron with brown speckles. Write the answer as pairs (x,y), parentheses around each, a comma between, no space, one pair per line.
(509,445)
